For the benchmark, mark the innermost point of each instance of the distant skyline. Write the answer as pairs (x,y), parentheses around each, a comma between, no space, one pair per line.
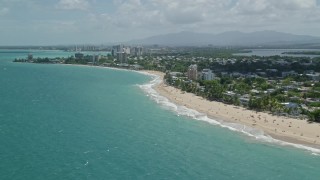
(55,22)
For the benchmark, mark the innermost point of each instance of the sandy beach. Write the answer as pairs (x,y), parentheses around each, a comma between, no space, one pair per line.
(279,127)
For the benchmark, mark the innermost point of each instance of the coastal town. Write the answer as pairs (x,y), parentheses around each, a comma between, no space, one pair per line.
(286,86)
(160,89)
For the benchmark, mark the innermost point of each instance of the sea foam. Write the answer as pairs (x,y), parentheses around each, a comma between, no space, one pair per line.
(184,111)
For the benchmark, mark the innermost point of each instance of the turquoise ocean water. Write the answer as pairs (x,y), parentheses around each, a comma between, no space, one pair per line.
(71,122)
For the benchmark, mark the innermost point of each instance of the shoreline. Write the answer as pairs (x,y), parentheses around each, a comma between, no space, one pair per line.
(281,129)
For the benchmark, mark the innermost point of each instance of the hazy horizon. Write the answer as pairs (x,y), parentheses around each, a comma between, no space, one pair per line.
(57,22)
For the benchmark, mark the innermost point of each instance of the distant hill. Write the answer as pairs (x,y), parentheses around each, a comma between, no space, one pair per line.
(232,38)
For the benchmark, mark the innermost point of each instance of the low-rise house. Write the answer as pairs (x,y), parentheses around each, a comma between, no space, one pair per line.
(297,83)
(176,74)
(307,63)
(251,75)
(230,93)
(174,78)
(55,61)
(201,88)
(314,77)
(136,67)
(255,91)
(237,74)
(263,74)
(283,62)
(293,108)
(309,72)
(294,98)
(269,91)
(244,100)
(223,74)
(289,73)
(312,100)
(290,87)
(304,89)
(272,70)
(290,105)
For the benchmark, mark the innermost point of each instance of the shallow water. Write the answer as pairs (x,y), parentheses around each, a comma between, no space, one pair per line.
(71,122)
(278,52)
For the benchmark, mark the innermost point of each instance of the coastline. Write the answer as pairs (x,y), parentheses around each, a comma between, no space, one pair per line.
(283,130)
(261,125)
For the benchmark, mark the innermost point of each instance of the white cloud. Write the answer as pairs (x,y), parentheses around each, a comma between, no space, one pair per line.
(162,16)
(297,4)
(189,11)
(73,4)
(133,13)
(4,11)
(128,19)
(164,13)
(269,6)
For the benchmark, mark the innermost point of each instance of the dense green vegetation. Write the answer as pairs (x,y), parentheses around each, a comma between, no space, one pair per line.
(269,91)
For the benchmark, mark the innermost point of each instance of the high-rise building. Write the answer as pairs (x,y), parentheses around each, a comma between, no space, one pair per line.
(122,57)
(116,49)
(95,58)
(137,51)
(78,55)
(207,74)
(121,52)
(193,72)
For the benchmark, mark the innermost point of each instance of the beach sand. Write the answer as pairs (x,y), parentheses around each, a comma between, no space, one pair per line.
(279,127)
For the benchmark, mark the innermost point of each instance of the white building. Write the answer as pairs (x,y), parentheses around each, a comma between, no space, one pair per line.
(126,50)
(207,74)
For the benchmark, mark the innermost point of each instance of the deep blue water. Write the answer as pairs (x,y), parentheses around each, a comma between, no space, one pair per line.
(74,122)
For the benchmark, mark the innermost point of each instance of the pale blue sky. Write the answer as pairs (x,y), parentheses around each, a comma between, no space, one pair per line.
(52,22)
